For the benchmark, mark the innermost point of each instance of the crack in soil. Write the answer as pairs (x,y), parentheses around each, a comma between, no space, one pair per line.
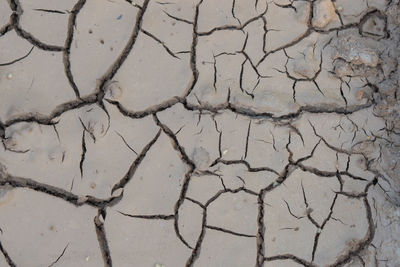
(301,112)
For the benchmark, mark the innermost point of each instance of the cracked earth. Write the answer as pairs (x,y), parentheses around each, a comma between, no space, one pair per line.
(199,133)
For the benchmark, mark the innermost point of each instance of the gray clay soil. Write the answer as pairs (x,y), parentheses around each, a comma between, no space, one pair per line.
(199,133)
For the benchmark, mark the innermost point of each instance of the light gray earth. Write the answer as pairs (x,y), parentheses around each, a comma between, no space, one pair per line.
(199,133)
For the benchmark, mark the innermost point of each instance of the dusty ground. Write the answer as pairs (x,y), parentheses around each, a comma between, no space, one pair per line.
(199,133)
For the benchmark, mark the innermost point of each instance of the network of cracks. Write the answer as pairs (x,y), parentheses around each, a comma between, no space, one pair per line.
(198,133)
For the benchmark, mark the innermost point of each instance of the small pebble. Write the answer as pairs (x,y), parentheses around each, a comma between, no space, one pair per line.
(360,95)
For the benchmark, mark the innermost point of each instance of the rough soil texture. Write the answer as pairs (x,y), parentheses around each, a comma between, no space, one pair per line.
(199,133)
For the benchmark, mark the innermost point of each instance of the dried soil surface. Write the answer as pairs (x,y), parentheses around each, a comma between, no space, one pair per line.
(199,133)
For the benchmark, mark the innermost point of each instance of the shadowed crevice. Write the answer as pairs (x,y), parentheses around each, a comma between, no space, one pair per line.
(18,59)
(102,238)
(6,256)
(67,46)
(59,257)
(76,200)
(135,164)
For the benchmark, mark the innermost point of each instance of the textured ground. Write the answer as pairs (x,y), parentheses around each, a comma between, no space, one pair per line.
(199,133)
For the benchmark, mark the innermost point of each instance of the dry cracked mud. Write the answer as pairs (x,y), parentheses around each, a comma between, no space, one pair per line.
(199,133)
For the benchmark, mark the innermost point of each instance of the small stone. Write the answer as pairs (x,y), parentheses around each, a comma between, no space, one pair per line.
(87,258)
(360,95)
(324,13)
